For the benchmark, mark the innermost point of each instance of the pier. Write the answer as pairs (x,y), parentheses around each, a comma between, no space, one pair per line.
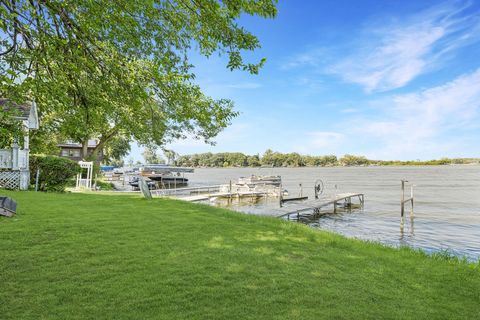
(313,207)
(203,193)
(290,208)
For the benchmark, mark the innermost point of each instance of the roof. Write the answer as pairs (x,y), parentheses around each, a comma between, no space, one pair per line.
(8,105)
(162,168)
(26,111)
(69,144)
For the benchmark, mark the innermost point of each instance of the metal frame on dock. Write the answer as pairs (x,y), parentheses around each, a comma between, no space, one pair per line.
(315,205)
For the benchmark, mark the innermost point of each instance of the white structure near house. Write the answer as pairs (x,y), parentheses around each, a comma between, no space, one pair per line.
(14,162)
(85,181)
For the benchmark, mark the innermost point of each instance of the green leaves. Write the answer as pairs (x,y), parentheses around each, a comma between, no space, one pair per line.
(97,67)
(55,172)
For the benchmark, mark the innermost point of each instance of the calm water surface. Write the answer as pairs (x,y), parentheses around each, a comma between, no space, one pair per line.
(447,206)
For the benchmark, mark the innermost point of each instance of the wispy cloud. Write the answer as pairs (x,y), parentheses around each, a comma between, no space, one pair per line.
(386,55)
(231,136)
(321,139)
(318,142)
(420,123)
(391,56)
(309,58)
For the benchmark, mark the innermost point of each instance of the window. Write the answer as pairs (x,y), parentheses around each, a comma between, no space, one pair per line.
(73,153)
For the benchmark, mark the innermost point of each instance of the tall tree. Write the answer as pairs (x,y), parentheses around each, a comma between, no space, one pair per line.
(151,156)
(103,68)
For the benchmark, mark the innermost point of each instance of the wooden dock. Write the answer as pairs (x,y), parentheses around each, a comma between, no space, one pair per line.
(314,206)
(203,193)
(203,197)
(187,191)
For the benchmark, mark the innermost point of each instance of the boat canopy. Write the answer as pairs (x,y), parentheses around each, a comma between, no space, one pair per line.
(162,168)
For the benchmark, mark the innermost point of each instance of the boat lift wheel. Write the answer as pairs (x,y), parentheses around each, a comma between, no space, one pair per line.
(319,187)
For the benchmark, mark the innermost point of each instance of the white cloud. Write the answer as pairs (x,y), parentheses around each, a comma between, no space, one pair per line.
(229,137)
(322,139)
(309,58)
(426,122)
(391,56)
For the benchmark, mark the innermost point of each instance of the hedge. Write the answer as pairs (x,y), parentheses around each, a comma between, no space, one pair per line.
(55,172)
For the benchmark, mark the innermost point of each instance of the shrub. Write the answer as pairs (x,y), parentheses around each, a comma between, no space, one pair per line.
(55,172)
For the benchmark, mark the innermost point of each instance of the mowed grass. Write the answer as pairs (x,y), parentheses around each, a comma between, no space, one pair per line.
(85,256)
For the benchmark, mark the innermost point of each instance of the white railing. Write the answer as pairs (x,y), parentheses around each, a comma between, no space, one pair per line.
(15,158)
(22,159)
(6,159)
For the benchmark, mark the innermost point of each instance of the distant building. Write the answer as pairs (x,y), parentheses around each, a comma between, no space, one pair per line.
(73,151)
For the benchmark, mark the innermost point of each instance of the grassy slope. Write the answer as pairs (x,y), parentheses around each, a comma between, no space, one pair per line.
(77,256)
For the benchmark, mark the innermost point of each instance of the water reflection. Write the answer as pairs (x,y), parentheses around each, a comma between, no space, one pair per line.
(411,231)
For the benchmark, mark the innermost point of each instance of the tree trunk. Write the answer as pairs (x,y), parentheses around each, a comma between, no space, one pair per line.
(103,140)
(85,149)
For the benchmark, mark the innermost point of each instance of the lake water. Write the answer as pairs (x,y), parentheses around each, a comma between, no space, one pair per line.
(447,202)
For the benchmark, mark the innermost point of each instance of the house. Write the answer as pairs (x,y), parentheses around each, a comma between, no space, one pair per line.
(14,161)
(73,151)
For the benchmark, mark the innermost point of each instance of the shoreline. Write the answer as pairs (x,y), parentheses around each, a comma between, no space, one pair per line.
(341,166)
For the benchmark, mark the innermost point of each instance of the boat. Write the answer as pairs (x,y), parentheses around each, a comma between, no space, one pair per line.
(255,186)
(255,180)
(135,183)
(164,176)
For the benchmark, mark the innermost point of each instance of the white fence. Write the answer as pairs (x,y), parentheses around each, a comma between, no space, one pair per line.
(14,173)
(6,157)
(14,158)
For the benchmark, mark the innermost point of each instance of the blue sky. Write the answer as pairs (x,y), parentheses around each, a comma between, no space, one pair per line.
(384,79)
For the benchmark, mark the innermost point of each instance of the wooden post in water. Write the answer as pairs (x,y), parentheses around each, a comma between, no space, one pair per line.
(280,195)
(411,201)
(402,199)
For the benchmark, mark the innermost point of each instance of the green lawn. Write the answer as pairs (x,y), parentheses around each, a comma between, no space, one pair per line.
(86,256)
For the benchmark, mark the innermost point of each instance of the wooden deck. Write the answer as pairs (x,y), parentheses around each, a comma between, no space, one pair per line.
(187,191)
(203,197)
(296,208)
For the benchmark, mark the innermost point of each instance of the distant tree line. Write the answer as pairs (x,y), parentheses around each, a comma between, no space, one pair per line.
(278,159)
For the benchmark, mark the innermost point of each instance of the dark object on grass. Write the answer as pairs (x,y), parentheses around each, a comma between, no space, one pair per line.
(8,207)
(142,183)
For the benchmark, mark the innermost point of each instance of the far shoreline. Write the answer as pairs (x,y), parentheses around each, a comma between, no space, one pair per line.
(339,166)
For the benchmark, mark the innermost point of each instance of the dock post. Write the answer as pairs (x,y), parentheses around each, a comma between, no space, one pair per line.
(411,201)
(402,227)
(335,207)
(280,195)
(402,199)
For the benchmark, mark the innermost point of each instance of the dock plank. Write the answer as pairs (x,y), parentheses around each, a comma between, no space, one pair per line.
(308,205)
(203,197)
